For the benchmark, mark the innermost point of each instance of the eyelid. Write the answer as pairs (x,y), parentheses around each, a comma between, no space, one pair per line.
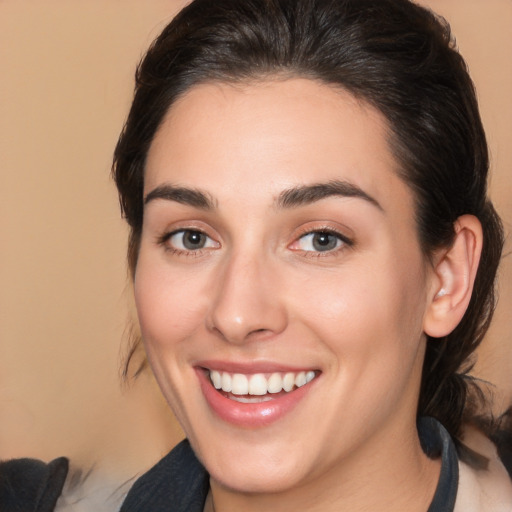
(346,241)
(168,234)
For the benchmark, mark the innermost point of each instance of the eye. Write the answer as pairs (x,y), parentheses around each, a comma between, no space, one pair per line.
(319,241)
(190,240)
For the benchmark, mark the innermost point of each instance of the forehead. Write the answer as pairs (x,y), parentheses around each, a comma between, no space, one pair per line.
(278,132)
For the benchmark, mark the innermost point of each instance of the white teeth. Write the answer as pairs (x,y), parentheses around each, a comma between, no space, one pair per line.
(239,384)
(289,381)
(257,384)
(300,379)
(216,378)
(251,400)
(226,382)
(275,383)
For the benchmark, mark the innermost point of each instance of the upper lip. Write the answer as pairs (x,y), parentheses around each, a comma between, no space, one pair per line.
(250,368)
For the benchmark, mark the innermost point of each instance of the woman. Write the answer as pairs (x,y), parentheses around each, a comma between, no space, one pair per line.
(313,255)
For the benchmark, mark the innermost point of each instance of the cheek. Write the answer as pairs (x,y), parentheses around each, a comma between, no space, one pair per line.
(365,310)
(169,305)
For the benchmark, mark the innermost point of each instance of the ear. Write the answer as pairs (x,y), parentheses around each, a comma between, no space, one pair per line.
(453,278)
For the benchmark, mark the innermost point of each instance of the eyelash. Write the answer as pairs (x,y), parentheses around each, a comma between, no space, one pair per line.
(164,241)
(344,243)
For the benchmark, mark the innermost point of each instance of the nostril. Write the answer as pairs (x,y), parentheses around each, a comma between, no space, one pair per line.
(260,333)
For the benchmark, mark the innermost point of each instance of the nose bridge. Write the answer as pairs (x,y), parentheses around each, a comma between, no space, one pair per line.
(246,301)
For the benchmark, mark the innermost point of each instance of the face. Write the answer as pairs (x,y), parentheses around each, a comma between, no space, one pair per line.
(280,285)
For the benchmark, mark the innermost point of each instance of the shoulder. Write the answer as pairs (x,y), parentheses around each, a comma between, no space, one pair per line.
(30,484)
(179,478)
(484,490)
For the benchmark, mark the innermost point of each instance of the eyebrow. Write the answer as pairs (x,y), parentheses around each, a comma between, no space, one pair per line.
(307,194)
(291,198)
(183,195)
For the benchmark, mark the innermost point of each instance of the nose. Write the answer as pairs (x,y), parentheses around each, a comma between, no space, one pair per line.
(247,304)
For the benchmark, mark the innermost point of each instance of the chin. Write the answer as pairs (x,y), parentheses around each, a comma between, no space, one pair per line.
(257,480)
(254,467)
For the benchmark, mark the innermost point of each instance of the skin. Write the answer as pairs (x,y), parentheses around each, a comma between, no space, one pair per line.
(259,291)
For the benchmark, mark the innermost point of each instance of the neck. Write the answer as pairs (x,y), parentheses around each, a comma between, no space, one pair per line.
(396,475)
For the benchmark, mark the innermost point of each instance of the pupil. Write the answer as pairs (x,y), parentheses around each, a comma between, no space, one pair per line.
(324,241)
(193,240)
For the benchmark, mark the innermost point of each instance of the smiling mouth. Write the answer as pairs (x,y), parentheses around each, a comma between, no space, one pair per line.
(258,387)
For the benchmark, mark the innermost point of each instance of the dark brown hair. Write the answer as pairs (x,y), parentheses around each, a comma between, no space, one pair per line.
(393,54)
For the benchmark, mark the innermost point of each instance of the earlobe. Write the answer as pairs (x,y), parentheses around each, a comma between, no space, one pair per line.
(454,276)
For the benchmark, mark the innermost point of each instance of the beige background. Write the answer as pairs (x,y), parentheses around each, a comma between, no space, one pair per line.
(65,86)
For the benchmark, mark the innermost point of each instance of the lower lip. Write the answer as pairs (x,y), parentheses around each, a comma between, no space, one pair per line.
(250,415)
